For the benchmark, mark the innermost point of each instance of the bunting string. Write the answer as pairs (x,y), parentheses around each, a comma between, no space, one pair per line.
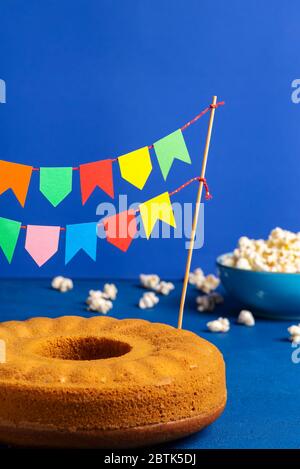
(42,241)
(184,127)
(135,167)
(208,196)
(197,117)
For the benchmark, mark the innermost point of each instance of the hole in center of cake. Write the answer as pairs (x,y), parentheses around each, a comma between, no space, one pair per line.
(83,348)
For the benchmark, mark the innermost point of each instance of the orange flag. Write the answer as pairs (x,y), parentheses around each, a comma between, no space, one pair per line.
(16,177)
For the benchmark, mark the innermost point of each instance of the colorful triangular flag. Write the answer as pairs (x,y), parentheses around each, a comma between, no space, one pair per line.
(97,174)
(136,167)
(16,177)
(121,229)
(81,236)
(170,148)
(56,184)
(42,242)
(9,234)
(158,208)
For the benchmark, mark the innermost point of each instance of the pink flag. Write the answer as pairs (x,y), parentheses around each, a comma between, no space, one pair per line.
(42,242)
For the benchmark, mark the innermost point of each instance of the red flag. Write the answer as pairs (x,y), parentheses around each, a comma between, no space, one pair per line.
(97,174)
(121,229)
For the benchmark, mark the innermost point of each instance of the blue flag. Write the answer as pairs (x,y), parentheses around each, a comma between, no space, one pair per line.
(81,236)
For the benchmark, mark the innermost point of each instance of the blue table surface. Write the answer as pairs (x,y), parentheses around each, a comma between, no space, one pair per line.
(263,383)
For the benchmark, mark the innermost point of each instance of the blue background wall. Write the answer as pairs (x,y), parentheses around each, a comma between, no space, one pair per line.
(91,79)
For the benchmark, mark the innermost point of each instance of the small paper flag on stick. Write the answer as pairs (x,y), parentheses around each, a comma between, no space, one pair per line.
(16,177)
(121,229)
(81,236)
(97,174)
(56,184)
(136,167)
(170,148)
(9,234)
(42,242)
(158,208)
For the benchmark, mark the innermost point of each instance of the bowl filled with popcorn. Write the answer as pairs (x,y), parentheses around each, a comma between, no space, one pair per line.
(265,274)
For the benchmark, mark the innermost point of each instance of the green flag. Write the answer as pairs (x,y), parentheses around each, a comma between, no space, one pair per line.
(56,183)
(170,148)
(9,233)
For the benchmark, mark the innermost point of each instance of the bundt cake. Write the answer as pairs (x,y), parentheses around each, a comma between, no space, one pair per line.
(104,382)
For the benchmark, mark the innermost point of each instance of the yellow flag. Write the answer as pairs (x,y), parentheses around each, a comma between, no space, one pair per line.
(136,167)
(158,208)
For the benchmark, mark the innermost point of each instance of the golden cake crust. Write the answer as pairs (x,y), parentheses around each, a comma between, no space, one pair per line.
(74,375)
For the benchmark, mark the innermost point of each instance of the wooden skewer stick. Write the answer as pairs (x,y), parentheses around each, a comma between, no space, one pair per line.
(196,215)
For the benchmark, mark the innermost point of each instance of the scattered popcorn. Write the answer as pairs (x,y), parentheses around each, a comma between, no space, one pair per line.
(211,282)
(279,253)
(99,301)
(153,282)
(295,339)
(110,291)
(218,299)
(164,287)
(99,305)
(208,302)
(149,281)
(205,303)
(219,325)
(66,285)
(62,284)
(294,332)
(246,317)
(148,300)
(95,294)
(56,282)
(215,326)
(204,283)
(197,277)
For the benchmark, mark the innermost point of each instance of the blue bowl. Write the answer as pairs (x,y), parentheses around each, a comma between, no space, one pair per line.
(269,294)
